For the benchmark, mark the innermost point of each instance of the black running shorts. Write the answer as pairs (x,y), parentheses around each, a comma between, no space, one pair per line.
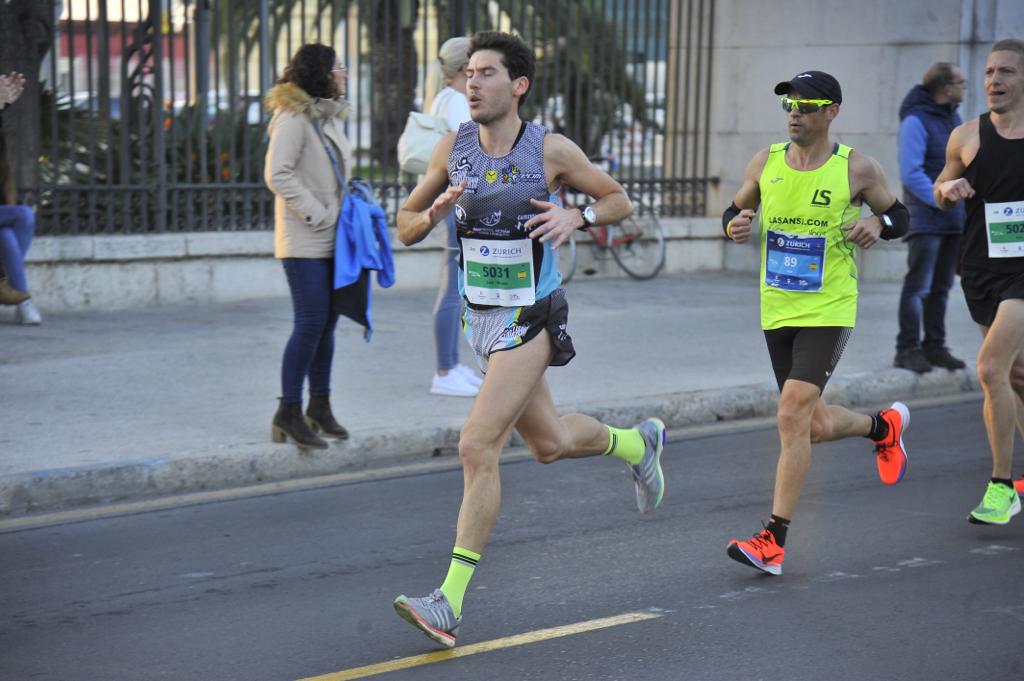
(984,291)
(806,353)
(495,329)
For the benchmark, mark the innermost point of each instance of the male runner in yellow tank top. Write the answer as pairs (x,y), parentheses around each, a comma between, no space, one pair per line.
(810,191)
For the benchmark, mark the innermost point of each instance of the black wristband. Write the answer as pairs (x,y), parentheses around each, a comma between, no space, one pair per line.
(899,217)
(732,211)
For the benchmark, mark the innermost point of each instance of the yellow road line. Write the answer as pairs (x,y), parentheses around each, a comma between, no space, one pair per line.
(486,646)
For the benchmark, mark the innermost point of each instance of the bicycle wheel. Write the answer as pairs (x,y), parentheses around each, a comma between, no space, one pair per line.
(638,244)
(565,256)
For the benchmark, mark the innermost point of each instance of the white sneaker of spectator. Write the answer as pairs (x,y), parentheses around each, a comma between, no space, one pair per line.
(453,385)
(468,374)
(27,313)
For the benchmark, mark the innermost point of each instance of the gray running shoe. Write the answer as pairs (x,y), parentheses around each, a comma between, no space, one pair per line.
(433,615)
(647,475)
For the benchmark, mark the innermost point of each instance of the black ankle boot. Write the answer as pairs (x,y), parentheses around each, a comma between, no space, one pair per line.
(288,422)
(320,418)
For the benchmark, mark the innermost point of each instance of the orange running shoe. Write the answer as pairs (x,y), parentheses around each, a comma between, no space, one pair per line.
(760,552)
(1018,484)
(889,452)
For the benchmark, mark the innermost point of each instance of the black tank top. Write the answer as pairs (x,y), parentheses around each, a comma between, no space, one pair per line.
(997,176)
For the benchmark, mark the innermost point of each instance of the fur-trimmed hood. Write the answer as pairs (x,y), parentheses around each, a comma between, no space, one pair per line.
(290,97)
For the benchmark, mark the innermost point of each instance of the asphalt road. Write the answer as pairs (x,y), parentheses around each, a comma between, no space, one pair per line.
(879,583)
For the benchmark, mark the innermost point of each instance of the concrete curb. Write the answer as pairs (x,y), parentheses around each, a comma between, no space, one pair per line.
(251,464)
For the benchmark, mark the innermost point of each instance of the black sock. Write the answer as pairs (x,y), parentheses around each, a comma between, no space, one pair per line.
(879,428)
(778,526)
(1003,481)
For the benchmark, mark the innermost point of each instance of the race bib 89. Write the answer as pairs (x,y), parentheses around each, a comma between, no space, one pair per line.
(794,262)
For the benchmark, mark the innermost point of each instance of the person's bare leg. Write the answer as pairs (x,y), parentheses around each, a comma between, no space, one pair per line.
(832,422)
(999,354)
(508,387)
(1017,383)
(552,437)
(796,408)
(513,375)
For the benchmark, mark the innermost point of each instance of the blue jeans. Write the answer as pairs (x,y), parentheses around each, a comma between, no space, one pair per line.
(931,266)
(448,308)
(310,348)
(17,224)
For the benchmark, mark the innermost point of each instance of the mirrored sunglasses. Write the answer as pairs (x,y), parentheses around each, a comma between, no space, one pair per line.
(806,106)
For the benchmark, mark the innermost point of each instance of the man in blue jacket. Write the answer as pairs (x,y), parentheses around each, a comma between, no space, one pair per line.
(927,117)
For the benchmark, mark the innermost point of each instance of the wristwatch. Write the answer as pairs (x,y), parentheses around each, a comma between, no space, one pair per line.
(589,216)
(886,220)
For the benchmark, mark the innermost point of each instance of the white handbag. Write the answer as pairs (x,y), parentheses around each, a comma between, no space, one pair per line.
(422,133)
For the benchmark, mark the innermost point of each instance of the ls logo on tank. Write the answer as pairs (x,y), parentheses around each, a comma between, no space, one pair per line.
(822,197)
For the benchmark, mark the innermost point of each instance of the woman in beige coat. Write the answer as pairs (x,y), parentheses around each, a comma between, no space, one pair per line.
(308,151)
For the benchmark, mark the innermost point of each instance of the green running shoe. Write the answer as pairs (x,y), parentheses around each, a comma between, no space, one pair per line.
(997,507)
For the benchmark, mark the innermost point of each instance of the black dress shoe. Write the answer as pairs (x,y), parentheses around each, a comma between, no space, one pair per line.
(940,357)
(912,359)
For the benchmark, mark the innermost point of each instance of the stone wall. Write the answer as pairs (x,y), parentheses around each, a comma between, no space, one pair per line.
(114,272)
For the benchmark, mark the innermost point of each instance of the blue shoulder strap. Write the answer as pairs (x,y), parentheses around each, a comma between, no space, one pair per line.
(330,155)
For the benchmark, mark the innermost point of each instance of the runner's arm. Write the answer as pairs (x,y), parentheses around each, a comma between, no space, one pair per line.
(565,163)
(950,186)
(432,199)
(870,183)
(888,210)
(738,216)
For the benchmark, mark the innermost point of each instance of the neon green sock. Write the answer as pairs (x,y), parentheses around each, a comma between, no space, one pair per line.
(459,573)
(626,444)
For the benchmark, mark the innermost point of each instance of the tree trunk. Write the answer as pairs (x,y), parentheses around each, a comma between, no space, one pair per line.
(393,59)
(26,30)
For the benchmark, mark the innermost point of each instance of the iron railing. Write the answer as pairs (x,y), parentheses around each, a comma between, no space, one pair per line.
(152,118)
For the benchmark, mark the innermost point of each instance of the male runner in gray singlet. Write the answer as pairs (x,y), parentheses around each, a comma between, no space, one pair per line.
(496,172)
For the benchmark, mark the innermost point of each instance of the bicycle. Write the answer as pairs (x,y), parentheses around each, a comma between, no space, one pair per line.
(636,243)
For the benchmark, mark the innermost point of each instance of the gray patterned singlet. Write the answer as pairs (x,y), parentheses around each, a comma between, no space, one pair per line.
(496,201)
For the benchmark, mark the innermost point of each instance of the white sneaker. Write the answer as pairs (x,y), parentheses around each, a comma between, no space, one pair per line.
(452,385)
(468,374)
(27,313)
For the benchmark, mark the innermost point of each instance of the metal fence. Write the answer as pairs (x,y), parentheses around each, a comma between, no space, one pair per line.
(152,119)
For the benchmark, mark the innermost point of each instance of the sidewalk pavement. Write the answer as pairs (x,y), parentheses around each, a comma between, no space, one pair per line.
(123,405)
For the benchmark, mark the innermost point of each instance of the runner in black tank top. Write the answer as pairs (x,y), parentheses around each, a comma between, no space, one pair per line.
(985,167)
(997,176)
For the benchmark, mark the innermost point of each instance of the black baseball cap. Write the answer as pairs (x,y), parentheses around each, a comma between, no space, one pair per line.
(813,85)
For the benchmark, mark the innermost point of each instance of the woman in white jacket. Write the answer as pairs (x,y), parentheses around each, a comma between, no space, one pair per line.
(307,143)
(451,378)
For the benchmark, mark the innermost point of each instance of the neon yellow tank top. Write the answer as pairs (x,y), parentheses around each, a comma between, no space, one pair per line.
(808,270)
